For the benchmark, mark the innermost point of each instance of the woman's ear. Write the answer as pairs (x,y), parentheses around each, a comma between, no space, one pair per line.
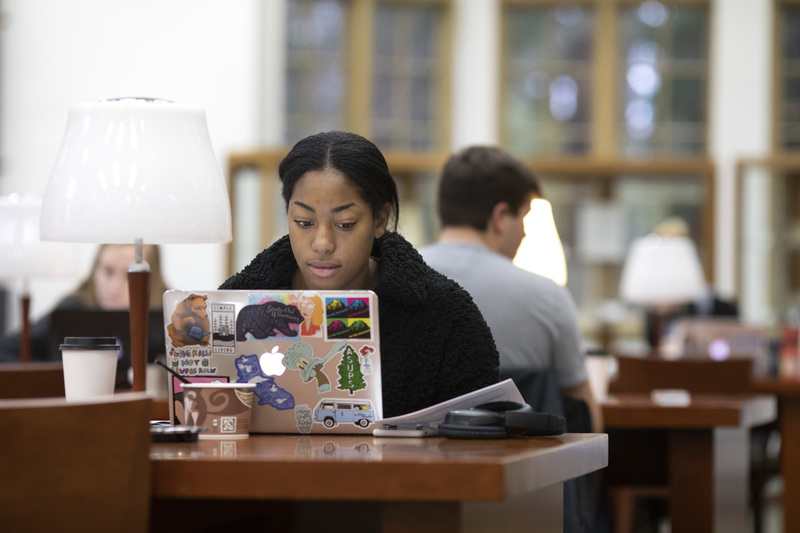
(382,220)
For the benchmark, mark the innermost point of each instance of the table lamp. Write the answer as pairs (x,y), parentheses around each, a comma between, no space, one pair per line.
(136,171)
(25,256)
(541,251)
(661,273)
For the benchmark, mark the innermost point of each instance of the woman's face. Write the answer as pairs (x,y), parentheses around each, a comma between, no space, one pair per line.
(332,229)
(111,276)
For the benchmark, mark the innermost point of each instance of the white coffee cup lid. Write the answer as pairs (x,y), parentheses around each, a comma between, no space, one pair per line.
(89,343)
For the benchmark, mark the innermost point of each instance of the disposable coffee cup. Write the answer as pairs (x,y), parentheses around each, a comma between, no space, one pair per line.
(90,366)
(223,408)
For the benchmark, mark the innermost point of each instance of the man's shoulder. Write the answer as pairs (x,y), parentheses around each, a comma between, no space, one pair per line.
(440,253)
(440,247)
(469,259)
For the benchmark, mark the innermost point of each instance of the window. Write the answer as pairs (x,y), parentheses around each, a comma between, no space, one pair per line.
(664,63)
(788,77)
(316,67)
(378,68)
(610,77)
(768,232)
(407,76)
(548,67)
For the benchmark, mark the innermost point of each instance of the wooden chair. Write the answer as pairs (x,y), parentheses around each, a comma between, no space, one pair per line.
(643,374)
(31,380)
(732,376)
(75,466)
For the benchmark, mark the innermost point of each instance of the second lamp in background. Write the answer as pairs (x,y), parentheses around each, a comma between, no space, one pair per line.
(661,273)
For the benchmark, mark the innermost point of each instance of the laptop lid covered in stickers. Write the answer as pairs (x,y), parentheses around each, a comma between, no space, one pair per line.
(314,356)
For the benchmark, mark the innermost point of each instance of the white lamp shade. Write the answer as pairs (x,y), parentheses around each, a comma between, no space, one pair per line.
(136,168)
(24,255)
(662,271)
(541,251)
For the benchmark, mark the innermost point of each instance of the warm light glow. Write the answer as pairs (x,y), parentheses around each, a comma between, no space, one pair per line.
(541,251)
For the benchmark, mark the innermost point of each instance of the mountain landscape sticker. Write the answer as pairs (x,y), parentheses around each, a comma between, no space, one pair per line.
(348,318)
(223,322)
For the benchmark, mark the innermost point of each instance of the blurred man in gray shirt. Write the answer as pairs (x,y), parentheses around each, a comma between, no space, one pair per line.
(484,196)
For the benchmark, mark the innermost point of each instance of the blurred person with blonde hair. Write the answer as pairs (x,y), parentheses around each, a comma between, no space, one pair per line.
(105,288)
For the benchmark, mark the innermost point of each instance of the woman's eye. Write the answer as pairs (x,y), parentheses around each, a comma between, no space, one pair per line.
(346,225)
(303,223)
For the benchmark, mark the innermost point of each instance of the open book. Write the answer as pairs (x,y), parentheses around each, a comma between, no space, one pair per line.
(431,417)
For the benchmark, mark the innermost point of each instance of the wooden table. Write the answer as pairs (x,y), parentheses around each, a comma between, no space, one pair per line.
(705,449)
(362,483)
(788,393)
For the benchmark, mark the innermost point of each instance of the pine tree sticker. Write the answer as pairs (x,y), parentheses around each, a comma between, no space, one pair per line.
(225,328)
(350,376)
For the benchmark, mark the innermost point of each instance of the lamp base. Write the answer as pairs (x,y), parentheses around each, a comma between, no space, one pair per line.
(139,293)
(659,324)
(25,336)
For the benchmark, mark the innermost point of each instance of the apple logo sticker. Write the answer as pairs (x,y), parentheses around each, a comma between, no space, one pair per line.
(272,363)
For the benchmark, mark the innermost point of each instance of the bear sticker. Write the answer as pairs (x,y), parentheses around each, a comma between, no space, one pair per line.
(190,324)
(267,320)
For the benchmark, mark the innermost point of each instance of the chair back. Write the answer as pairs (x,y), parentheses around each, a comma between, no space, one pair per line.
(31,380)
(643,374)
(75,466)
(539,389)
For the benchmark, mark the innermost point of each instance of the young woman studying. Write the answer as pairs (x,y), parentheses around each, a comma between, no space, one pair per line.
(340,200)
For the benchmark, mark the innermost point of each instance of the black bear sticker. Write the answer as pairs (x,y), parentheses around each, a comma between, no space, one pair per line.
(264,320)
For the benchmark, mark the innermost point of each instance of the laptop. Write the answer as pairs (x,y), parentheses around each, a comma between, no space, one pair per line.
(720,338)
(98,323)
(313,355)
